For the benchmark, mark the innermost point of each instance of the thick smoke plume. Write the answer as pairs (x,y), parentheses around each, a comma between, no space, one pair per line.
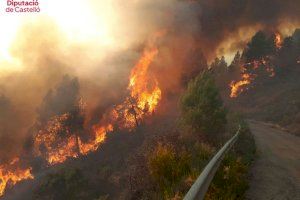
(101,55)
(239,19)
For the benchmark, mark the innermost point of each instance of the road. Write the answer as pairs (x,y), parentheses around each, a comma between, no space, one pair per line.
(275,175)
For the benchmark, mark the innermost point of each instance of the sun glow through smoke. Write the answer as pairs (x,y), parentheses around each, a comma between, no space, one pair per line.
(75,19)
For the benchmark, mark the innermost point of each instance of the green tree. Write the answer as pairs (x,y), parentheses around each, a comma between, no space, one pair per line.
(236,62)
(219,66)
(259,46)
(202,106)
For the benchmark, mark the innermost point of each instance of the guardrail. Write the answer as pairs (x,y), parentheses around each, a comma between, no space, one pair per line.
(199,188)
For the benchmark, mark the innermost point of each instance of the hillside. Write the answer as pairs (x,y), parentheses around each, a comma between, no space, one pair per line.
(264,80)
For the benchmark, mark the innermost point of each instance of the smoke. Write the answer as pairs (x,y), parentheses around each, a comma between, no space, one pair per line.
(11,129)
(64,99)
(101,51)
(239,19)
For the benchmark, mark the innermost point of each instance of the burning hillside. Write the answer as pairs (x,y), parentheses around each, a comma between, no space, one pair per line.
(262,80)
(62,136)
(11,174)
(59,139)
(258,61)
(68,84)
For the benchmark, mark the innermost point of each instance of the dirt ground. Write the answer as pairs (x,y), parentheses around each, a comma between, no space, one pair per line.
(275,174)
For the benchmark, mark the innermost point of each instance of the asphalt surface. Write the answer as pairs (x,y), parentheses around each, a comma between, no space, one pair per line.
(275,174)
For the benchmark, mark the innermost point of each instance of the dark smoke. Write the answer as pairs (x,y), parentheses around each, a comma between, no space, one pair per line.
(219,19)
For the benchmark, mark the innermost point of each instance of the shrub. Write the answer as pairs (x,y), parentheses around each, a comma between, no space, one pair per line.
(230,181)
(167,168)
(65,185)
(202,152)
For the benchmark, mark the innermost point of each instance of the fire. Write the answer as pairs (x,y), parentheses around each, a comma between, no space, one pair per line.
(139,83)
(100,135)
(56,142)
(145,93)
(60,143)
(10,174)
(144,86)
(238,87)
(278,41)
(143,100)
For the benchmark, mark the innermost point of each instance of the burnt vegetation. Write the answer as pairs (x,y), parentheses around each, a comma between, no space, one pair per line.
(161,155)
(273,65)
(151,138)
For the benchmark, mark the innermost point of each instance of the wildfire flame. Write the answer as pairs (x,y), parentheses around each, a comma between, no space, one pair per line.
(278,41)
(144,98)
(10,174)
(238,87)
(100,135)
(139,82)
(57,139)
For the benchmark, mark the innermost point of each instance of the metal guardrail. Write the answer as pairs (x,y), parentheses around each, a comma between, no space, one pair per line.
(199,188)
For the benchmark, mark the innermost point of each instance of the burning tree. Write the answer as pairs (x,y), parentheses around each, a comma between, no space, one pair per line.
(61,132)
(60,123)
(257,61)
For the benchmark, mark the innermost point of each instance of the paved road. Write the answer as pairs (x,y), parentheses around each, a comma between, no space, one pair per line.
(275,174)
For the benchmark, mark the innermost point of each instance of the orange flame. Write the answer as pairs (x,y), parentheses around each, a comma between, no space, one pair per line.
(144,98)
(278,41)
(56,142)
(100,136)
(10,175)
(58,147)
(139,83)
(238,87)
(60,143)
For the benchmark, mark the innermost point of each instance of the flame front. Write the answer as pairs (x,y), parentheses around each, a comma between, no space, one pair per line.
(144,98)
(99,138)
(57,142)
(238,87)
(10,174)
(249,74)
(142,87)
